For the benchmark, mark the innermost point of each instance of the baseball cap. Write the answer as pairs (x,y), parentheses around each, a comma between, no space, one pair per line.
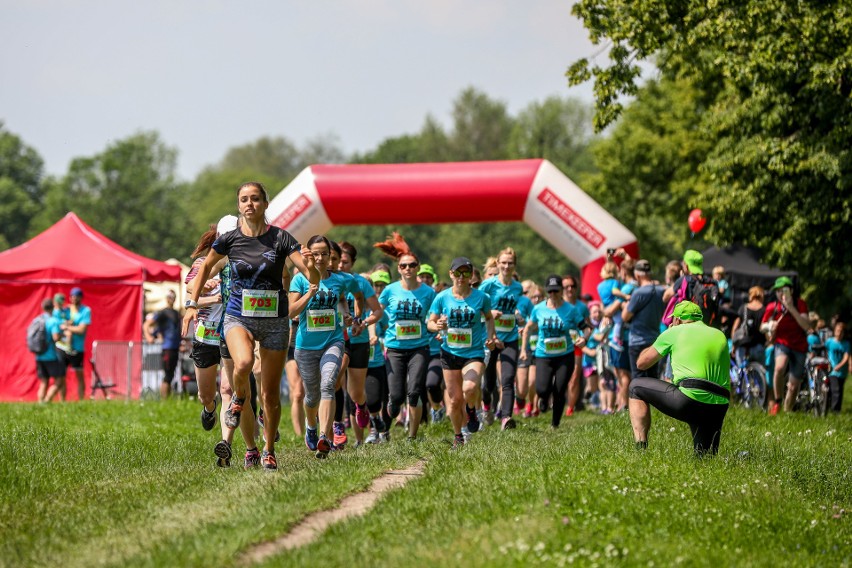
(782,281)
(76,292)
(553,283)
(59,298)
(694,261)
(226,224)
(687,310)
(460,262)
(380,276)
(643,266)
(427,269)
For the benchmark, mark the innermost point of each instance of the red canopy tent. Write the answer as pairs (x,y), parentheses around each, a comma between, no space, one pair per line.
(69,254)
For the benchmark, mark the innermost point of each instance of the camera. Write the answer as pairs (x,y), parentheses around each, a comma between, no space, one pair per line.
(610,252)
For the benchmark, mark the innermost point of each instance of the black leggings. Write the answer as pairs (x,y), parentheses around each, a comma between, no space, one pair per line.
(705,420)
(408,376)
(376,386)
(508,359)
(552,375)
(435,379)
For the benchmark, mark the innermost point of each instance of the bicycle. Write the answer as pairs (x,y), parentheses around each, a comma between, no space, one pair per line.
(748,384)
(814,392)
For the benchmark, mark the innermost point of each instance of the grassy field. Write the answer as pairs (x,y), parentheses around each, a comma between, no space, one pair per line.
(134,484)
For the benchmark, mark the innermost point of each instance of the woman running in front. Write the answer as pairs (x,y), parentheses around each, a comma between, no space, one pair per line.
(406,302)
(459,313)
(559,328)
(505,293)
(257,309)
(323,314)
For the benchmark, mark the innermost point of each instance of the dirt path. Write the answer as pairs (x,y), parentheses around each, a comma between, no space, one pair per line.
(309,528)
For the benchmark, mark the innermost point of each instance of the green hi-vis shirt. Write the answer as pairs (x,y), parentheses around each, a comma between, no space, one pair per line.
(698,352)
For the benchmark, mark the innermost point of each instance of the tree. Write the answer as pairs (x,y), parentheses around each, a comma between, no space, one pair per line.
(21,192)
(777,77)
(481,127)
(129,193)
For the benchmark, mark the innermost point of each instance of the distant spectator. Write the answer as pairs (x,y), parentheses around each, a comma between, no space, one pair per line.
(49,364)
(643,313)
(750,344)
(719,277)
(80,318)
(166,325)
(837,348)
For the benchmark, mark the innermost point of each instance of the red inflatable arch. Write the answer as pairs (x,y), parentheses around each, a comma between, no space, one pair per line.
(532,191)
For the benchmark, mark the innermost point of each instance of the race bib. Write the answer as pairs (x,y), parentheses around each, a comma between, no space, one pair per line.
(406,330)
(206,333)
(504,323)
(555,346)
(322,320)
(533,342)
(260,303)
(460,337)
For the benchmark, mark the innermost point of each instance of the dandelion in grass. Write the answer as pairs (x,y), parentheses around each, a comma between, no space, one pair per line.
(768,434)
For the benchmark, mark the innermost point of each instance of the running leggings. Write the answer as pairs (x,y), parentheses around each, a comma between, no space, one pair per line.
(435,379)
(508,359)
(552,375)
(408,376)
(319,371)
(705,420)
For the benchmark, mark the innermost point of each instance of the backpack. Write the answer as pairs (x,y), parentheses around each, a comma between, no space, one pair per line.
(37,335)
(704,291)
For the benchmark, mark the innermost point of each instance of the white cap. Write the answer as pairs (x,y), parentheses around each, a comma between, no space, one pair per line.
(226,224)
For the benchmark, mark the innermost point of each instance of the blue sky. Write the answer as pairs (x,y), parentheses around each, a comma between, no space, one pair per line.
(214,74)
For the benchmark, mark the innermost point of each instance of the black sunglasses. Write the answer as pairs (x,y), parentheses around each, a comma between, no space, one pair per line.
(409,264)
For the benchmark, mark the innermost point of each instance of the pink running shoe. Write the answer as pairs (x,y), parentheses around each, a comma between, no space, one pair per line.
(362,415)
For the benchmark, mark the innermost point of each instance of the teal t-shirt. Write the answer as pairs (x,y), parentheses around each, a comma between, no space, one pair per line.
(51,326)
(698,352)
(407,311)
(78,340)
(359,284)
(835,350)
(504,299)
(554,329)
(466,334)
(377,351)
(320,322)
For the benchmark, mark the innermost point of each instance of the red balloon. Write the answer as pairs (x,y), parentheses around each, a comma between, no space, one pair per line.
(696,220)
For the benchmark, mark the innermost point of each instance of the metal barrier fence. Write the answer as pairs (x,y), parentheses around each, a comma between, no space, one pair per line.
(134,370)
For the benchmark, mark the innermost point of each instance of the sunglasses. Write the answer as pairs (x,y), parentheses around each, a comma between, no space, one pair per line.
(462,273)
(569,286)
(404,265)
(554,291)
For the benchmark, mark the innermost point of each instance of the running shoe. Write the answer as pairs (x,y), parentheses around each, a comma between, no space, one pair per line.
(252,458)
(606,411)
(519,406)
(208,419)
(362,415)
(528,411)
(542,405)
(499,414)
(323,447)
(458,441)
(487,416)
(472,420)
(569,411)
(340,438)
(438,415)
(466,434)
(372,437)
(263,429)
(384,437)
(773,410)
(268,461)
(232,415)
(223,453)
(508,424)
(377,423)
(311,438)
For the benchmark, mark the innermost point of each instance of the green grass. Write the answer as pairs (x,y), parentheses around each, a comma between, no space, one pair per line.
(134,485)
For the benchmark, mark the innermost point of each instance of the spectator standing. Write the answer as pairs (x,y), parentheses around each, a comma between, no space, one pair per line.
(643,312)
(749,344)
(49,364)
(786,321)
(837,349)
(166,325)
(80,318)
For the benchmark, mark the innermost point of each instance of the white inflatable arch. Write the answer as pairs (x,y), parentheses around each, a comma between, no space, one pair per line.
(532,191)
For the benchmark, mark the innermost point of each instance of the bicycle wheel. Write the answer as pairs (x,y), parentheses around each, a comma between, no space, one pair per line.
(820,393)
(755,385)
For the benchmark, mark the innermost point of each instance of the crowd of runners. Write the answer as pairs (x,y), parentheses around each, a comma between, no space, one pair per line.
(410,344)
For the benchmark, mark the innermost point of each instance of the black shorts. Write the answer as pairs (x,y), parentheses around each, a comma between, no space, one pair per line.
(291,351)
(359,355)
(170,362)
(50,369)
(205,356)
(223,349)
(450,362)
(73,360)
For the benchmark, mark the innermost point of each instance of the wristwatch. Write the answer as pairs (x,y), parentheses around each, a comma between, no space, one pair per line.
(191,304)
